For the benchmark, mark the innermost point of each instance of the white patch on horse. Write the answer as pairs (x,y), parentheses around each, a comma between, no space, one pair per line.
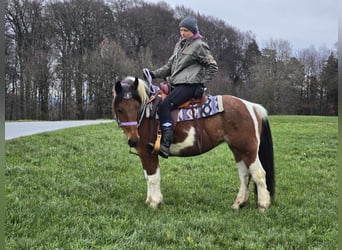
(154,195)
(189,141)
(260,110)
(259,177)
(243,194)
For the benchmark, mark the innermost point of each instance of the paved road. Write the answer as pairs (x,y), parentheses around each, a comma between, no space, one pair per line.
(19,129)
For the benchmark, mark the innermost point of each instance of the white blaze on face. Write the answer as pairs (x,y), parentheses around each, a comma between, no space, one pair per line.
(189,141)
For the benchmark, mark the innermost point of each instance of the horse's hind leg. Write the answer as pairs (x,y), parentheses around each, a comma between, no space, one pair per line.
(259,177)
(243,194)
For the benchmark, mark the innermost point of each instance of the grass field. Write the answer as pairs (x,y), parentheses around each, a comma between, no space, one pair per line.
(81,189)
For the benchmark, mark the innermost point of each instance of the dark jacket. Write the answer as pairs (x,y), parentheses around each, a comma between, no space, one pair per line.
(191,63)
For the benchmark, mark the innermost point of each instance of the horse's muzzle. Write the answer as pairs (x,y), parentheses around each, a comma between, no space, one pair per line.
(133,142)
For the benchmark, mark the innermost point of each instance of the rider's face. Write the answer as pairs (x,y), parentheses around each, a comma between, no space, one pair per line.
(185,33)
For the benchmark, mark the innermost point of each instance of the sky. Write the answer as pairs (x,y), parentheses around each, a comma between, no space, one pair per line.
(303,23)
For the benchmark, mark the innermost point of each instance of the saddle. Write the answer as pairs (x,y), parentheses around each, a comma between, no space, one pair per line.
(163,91)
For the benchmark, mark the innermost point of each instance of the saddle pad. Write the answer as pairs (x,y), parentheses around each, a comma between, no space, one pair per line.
(212,106)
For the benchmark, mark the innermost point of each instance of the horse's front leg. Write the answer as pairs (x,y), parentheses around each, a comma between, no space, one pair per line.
(152,175)
(154,196)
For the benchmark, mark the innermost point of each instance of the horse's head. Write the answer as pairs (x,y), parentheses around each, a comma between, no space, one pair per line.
(130,95)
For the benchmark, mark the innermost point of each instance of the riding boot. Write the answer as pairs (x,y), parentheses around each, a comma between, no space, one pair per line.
(166,140)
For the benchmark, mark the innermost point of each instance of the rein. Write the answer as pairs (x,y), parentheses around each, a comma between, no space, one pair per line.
(149,80)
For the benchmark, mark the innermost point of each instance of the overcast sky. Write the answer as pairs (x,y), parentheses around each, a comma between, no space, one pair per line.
(303,23)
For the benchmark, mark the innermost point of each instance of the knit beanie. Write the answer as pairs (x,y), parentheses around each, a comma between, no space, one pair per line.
(190,23)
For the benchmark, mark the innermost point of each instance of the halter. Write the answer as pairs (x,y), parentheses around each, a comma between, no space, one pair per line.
(133,123)
(126,124)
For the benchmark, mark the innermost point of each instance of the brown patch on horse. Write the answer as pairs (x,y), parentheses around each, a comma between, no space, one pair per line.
(148,159)
(240,129)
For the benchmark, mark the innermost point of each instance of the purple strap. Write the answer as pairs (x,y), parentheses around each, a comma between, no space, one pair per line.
(124,124)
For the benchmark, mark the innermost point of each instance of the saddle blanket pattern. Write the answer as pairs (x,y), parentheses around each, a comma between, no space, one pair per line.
(212,106)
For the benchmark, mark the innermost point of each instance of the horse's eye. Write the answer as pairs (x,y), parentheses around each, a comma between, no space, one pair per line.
(119,110)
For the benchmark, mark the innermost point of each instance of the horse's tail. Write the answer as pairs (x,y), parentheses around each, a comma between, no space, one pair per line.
(266,155)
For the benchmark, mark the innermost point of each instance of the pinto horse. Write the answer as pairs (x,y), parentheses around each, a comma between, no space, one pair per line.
(242,125)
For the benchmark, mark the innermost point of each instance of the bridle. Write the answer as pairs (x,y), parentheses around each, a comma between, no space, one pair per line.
(142,109)
(126,124)
(133,123)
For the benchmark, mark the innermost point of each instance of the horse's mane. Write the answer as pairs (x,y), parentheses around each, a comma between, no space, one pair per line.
(143,89)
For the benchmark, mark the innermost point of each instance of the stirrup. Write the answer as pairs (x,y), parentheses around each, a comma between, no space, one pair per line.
(156,146)
(163,151)
(150,146)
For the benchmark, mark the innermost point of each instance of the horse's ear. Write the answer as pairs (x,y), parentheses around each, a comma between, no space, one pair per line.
(118,87)
(136,82)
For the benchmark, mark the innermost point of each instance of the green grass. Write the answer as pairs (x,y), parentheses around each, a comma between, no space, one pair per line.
(81,189)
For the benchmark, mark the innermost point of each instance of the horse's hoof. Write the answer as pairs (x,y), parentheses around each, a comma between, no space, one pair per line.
(148,201)
(152,204)
(263,206)
(262,209)
(239,205)
(235,206)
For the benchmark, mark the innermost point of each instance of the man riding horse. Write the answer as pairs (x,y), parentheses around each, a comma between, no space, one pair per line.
(189,68)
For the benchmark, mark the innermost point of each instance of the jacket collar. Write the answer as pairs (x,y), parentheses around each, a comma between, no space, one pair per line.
(194,37)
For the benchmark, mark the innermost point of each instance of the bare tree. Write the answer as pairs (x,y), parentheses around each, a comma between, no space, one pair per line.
(276,82)
(79,27)
(281,47)
(28,39)
(143,26)
(312,93)
(106,65)
(329,80)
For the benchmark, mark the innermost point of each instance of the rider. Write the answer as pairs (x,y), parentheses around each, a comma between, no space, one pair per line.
(189,68)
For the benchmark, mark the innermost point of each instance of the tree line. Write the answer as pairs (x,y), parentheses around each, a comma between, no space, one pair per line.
(63,56)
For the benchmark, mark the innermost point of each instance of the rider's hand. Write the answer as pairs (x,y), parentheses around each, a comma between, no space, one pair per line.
(151,74)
